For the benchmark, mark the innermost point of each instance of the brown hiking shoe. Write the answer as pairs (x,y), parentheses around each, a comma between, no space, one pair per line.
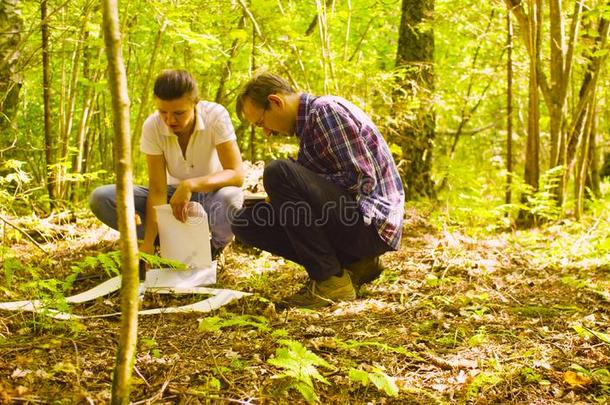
(318,294)
(365,270)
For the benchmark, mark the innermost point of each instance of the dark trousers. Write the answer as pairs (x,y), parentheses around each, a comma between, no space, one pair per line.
(308,220)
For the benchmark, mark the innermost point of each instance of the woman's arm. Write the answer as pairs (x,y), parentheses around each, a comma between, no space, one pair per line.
(157,195)
(231,175)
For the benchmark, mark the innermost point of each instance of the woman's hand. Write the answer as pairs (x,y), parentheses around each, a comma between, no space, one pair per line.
(180,200)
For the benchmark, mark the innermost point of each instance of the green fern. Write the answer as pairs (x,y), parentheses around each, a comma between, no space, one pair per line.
(215,323)
(380,379)
(110,262)
(299,366)
(480,382)
(543,204)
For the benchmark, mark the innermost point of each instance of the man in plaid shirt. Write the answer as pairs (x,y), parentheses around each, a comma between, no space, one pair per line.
(335,209)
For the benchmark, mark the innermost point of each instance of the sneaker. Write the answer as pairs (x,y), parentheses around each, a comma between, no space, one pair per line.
(318,294)
(365,270)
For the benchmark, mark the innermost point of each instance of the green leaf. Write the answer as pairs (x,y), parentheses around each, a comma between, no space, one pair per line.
(578,368)
(214,323)
(604,337)
(396,150)
(299,365)
(602,375)
(259,322)
(239,34)
(210,324)
(306,391)
(583,331)
(279,333)
(384,382)
(359,376)
(305,355)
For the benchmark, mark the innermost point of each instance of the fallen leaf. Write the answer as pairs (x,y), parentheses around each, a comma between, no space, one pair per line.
(576,379)
(461,377)
(19,373)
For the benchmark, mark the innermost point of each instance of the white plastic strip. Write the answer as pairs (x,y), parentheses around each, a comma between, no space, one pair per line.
(219,298)
(188,243)
(157,278)
(160,281)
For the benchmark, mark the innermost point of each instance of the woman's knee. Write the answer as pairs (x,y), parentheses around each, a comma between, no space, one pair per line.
(224,205)
(232,198)
(101,198)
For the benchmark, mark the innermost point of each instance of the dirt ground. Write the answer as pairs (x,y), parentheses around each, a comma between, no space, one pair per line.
(453,319)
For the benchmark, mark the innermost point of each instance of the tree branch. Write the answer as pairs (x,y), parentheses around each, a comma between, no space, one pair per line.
(6,221)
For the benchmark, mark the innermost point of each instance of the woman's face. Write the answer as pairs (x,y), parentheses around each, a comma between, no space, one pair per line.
(178,114)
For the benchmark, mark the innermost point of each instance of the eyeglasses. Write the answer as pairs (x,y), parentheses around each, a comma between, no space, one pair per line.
(261,121)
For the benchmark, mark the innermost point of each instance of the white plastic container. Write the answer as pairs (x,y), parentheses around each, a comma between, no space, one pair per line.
(187,242)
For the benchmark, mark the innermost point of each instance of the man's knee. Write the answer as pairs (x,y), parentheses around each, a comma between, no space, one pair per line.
(239,221)
(239,227)
(276,174)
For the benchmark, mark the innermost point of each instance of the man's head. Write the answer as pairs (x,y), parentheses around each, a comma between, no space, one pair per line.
(176,94)
(269,102)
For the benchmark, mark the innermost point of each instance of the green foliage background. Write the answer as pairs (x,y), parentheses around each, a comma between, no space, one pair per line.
(470,76)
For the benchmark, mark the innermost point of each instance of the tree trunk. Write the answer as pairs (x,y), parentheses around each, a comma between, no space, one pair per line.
(226,68)
(253,69)
(90,94)
(11,25)
(46,95)
(593,178)
(416,54)
(68,119)
(325,48)
(580,176)
(509,108)
(561,68)
(555,93)
(532,150)
(586,99)
(532,154)
(557,77)
(121,383)
(83,127)
(146,86)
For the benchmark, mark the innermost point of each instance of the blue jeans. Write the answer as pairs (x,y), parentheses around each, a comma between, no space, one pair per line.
(219,205)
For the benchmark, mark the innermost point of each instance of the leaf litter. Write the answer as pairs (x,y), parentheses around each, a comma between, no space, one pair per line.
(453,319)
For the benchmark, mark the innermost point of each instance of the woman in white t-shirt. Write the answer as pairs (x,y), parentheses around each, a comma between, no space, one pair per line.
(192,155)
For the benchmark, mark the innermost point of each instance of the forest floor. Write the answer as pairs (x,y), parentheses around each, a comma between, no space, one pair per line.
(455,318)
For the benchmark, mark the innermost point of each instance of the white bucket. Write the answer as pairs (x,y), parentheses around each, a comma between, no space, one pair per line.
(187,242)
